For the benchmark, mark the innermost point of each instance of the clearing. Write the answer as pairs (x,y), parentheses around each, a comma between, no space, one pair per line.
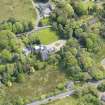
(40,83)
(19,9)
(46,36)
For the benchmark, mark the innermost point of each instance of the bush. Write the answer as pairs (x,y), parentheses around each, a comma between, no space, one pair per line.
(97,74)
(21,77)
(16,26)
(43,97)
(77,93)
(6,55)
(60,86)
(44,22)
(9,84)
(18,101)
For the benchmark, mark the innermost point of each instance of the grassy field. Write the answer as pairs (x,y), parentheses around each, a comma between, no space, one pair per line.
(47,36)
(66,101)
(40,83)
(19,9)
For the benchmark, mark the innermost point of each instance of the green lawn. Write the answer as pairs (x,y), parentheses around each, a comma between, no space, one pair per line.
(47,36)
(19,9)
(40,83)
(65,101)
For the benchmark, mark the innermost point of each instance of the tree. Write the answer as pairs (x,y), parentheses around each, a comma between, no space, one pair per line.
(18,101)
(101,86)
(30,25)
(20,77)
(6,26)
(60,17)
(73,43)
(85,61)
(68,32)
(89,96)
(19,27)
(61,20)
(89,43)
(63,7)
(25,25)
(78,32)
(9,41)
(14,29)
(12,20)
(81,8)
(2,68)
(96,73)
(60,86)
(6,78)
(6,56)
(4,39)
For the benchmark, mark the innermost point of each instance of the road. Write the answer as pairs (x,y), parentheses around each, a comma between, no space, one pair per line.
(53,98)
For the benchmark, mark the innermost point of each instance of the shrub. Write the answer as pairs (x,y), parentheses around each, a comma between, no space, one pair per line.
(60,86)
(43,97)
(21,77)
(44,22)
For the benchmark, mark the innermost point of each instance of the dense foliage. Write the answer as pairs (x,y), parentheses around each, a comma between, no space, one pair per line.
(101,86)
(16,26)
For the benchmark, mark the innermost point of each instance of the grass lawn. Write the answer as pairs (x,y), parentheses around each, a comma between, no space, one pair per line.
(40,83)
(19,9)
(65,101)
(47,36)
